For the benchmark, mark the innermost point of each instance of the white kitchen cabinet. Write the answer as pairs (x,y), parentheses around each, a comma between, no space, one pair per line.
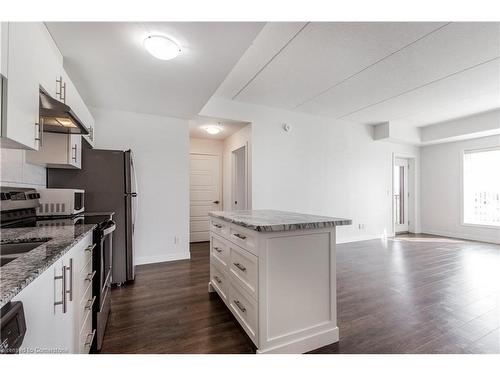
(4,44)
(51,328)
(21,126)
(75,101)
(58,151)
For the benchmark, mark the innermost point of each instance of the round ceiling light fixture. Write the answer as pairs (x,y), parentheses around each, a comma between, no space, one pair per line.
(161,47)
(212,129)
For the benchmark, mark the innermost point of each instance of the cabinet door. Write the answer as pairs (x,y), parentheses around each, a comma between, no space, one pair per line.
(75,101)
(22,87)
(50,65)
(46,325)
(4,38)
(58,151)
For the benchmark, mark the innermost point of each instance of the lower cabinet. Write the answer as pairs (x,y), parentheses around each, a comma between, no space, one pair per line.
(57,305)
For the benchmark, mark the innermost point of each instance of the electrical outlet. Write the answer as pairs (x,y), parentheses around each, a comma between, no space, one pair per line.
(361,226)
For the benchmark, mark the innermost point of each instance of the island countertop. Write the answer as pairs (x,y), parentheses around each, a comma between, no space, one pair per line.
(276,221)
(19,273)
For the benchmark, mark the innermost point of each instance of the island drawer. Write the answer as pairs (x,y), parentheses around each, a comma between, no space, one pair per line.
(243,237)
(243,268)
(244,309)
(220,227)
(219,250)
(219,281)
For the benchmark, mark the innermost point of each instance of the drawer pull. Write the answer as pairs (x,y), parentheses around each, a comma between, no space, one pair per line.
(88,342)
(218,226)
(90,303)
(90,248)
(217,279)
(90,276)
(240,305)
(240,236)
(240,266)
(218,249)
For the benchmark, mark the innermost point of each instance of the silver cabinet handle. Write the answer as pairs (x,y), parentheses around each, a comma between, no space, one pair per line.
(75,149)
(239,305)
(90,276)
(91,135)
(217,279)
(63,290)
(90,303)
(240,236)
(90,248)
(39,132)
(240,266)
(59,83)
(70,269)
(64,91)
(89,341)
(218,249)
(218,226)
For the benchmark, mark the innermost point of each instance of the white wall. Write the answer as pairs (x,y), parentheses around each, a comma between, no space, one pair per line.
(322,166)
(161,150)
(15,171)
(441,190)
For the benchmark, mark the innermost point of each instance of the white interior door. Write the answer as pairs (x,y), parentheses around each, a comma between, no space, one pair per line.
(205,194)
(401,195)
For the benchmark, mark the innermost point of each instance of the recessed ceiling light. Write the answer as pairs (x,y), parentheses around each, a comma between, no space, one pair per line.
(161,47)
(213,130)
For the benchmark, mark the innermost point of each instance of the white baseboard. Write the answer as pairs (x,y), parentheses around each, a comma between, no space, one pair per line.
(305,344)
(168,257)
(360,238)
(462,236)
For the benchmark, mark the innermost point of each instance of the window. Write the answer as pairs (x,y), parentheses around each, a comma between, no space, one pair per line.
(481,187)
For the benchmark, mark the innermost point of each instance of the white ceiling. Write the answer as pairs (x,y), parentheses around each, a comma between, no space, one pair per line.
(229,127)
(111,69)
(412,74)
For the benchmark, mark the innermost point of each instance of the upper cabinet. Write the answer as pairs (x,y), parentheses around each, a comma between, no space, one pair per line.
(30,60)
(3,48)
(72,98)
(20,123)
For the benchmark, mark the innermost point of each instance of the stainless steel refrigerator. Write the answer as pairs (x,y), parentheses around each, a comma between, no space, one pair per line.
(109,180)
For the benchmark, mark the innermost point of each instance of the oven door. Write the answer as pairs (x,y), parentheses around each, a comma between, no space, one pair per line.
(78,202)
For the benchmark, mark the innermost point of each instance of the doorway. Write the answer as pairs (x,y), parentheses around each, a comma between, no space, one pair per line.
(239,180)
(401,195)
(205,194)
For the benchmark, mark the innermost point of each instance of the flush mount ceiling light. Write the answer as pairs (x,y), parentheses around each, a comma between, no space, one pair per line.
(161,47)
(213,130)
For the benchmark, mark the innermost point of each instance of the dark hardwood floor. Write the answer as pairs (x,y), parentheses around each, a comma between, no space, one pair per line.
(410,294)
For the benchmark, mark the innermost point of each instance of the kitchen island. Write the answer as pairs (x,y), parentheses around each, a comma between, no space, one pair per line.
(275,271)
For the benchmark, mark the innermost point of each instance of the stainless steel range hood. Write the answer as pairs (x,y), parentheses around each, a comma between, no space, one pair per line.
(58,117)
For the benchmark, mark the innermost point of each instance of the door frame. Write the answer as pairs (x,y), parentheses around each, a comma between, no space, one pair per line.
(221,183)
(233,174)
(411,192)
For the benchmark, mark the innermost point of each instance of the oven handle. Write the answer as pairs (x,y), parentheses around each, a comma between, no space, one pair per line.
(110,228)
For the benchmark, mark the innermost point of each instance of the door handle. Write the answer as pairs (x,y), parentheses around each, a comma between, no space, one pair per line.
(215,202)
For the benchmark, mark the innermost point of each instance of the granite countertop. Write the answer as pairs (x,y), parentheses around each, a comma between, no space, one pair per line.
(275,221)
(19,273)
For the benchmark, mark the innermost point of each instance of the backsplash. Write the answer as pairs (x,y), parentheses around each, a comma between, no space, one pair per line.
(14,171)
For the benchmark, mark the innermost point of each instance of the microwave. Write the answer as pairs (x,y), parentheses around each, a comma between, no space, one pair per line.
(61,202)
